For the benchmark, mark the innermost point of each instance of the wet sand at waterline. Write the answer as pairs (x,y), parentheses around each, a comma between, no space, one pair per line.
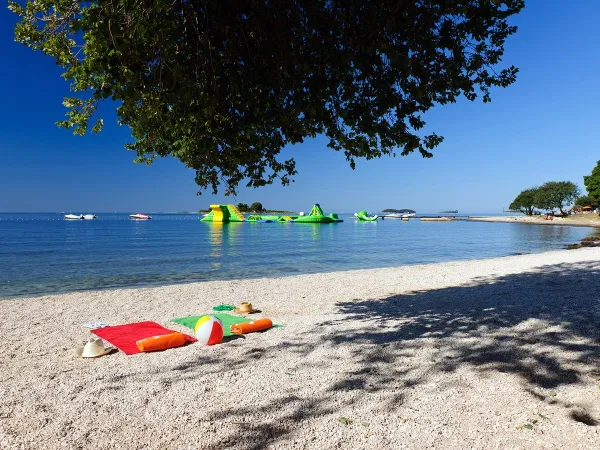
(497,353)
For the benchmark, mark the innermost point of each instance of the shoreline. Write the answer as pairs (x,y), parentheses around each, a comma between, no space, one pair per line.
(535,221)
(500,352)
(133,287)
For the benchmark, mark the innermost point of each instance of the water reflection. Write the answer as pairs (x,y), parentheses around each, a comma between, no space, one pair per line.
(543,237)
(231,239)
(316,231)
(223,238)
(215,235)
(364,227)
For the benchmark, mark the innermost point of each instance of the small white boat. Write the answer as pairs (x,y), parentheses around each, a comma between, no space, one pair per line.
(80,216)
(140,217)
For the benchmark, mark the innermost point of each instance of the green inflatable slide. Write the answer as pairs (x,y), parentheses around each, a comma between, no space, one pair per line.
(362,215)
(316,215)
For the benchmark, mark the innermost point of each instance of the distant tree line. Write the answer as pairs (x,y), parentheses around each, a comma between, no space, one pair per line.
(560,194)
(550,195)
(254,207)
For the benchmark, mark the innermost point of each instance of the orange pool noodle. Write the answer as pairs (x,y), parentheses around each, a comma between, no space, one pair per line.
(249,327)
(157,343)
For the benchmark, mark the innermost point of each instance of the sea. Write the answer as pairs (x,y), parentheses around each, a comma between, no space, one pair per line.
(43,254)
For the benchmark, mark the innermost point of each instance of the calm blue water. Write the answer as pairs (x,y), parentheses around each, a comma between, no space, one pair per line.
(41,253)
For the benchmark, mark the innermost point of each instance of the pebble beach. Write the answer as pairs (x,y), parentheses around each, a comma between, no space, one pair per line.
(496,353)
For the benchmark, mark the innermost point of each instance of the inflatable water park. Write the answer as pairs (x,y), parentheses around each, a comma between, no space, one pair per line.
(362,215)
(229,213)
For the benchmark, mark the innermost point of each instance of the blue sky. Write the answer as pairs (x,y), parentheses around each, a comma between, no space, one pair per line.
(544,127)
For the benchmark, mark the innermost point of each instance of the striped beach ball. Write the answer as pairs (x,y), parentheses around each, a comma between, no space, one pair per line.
(209,330)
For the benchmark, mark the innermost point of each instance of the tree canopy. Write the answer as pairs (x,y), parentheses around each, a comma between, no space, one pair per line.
(525,201)
(256,207)
(592,184)
(556,194)
(585,200)
(550,195)
(223,86)
(243,207)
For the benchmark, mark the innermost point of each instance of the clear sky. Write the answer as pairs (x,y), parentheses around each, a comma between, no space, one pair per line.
(542,128)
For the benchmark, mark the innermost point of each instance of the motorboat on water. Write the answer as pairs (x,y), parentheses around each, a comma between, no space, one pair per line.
(80,216)
(140,217)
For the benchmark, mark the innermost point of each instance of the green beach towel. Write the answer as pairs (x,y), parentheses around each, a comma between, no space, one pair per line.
(227,320)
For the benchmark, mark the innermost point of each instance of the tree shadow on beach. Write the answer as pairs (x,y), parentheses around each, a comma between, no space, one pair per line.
(541,326)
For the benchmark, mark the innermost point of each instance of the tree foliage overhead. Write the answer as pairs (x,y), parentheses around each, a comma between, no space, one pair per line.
(225,85)
(525,201)
(592,184)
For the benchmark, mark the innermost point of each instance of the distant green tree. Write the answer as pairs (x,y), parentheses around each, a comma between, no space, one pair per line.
(543,200)
(243,207)
(525,201)
(585,200)
(256,207)
(592,184)
(556,194)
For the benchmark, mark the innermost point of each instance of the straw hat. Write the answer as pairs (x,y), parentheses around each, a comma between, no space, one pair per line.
(245,308)
(93,348)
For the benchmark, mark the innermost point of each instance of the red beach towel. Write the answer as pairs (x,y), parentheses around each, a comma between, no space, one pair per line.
(124,337)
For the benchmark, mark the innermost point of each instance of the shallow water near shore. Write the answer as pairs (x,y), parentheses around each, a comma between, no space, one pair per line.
(43,254)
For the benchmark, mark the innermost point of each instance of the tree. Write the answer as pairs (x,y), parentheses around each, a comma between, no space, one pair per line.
(224,86)
(243,207)
(256,207)
(525,201)
(585,200)
(556,194)
(592,184)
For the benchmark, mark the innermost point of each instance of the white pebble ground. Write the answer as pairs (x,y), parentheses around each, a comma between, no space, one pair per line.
(499,353)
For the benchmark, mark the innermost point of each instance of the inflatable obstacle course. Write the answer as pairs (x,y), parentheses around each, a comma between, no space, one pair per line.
(224,214)
(316,215)
(229,213)
(362,215)
(234,212)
